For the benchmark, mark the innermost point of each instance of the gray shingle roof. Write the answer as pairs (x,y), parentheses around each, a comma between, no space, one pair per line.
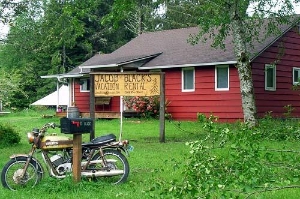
(171,48)
(173,45)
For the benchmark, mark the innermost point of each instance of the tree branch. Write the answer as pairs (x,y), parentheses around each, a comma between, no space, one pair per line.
(273,189)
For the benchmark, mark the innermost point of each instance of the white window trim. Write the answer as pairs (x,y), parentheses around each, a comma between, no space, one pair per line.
(298,69)
(81,90)
(274,77)
(182,79)
(216,78)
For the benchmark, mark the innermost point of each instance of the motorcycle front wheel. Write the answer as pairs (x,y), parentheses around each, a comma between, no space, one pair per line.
(116,163)
(11,174)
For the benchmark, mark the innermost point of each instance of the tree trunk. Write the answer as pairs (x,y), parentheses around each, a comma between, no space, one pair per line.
(245,74)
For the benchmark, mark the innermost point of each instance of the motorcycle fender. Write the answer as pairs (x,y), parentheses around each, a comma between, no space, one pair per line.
(125,151)
(26,156)
(18,155)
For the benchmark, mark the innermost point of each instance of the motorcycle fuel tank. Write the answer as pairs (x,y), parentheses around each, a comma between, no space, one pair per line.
(55,142)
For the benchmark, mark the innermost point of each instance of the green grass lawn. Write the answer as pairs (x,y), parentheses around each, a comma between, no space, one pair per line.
(151,162)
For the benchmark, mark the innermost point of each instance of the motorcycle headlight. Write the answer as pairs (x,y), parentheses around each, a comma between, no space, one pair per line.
(30,137)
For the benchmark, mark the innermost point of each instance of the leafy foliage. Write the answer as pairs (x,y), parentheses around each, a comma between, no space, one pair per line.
(51,37)
(8,136)
(234,163)
(181,14)
(8,85)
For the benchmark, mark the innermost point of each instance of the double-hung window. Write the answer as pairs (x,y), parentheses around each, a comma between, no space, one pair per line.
(296,76)
(222,78)
(84,85)
(270,77)
(188,80)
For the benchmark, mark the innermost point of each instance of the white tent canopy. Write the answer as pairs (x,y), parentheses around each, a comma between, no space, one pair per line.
(60,97)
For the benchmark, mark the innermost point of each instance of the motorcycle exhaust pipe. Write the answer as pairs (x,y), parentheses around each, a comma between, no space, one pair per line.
(102,173)
(98,162)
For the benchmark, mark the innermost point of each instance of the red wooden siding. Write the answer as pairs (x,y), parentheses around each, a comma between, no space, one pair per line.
(274,101)
(185,105)
(82,100)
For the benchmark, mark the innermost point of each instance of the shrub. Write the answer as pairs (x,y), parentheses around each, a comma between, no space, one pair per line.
(146,106)
(8,135)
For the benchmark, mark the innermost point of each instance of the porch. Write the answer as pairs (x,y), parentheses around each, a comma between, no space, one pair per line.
(102,114)
(98,114)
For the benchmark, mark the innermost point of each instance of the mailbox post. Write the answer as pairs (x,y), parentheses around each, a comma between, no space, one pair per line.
(76,126)
(77,154)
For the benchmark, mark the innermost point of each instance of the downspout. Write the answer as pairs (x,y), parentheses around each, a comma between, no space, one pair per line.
(121,112)
(57,89)
(73,92)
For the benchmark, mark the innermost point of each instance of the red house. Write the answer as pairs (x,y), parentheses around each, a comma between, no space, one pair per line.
(199,78)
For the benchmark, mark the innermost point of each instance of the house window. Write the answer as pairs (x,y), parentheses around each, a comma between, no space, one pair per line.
(270,77)
(296,76)
(188,79)
(222,78)
(84,85)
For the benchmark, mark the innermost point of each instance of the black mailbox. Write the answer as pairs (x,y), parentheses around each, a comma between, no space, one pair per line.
(76,125)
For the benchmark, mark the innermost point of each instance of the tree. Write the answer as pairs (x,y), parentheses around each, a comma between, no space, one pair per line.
(140,16)
(137,16)
(23,59)
(180,13)
(8,85)
(51,37)
(230,17)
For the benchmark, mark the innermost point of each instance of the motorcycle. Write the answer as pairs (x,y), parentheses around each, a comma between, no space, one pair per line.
(103,157)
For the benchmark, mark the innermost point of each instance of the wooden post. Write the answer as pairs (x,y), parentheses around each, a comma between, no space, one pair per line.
(162,109)
(92,105)
(77,153)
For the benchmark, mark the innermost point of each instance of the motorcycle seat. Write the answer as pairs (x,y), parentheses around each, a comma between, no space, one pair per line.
(104,139)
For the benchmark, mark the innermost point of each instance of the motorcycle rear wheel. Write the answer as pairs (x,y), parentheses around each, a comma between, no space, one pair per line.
(12,170)
(116,161)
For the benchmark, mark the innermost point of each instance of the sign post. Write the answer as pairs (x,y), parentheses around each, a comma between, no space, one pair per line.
(131,84)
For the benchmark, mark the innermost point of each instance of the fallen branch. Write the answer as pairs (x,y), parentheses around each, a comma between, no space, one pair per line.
(274,189)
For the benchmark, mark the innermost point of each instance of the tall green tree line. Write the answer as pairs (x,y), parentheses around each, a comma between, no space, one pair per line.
(51,37)
(54,36)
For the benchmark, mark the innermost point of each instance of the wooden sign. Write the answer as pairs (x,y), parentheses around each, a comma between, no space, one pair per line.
(126,84)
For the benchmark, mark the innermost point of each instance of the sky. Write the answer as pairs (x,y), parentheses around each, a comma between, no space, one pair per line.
(4,29)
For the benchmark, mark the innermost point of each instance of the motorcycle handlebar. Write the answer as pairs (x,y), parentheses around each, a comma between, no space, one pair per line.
(45,127)
(55,125)
(50,125)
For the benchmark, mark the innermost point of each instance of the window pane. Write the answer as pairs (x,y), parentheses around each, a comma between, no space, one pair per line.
(88,85)
(270,77)
(222,77)
(85,86)
(296,75)
(188,79)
